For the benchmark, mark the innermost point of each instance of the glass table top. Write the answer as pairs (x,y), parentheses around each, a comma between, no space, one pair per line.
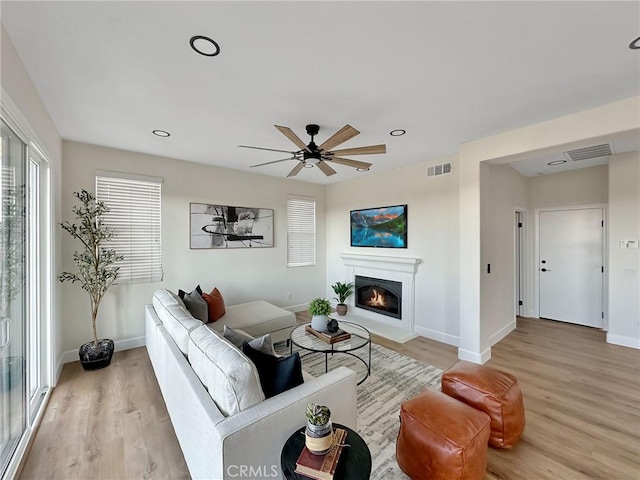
(359,338)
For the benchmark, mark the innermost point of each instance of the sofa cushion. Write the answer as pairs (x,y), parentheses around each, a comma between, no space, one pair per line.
(215,304)
(230,377)
(238,337)
(175,318)
(277,374)
(256,318)
(196,305)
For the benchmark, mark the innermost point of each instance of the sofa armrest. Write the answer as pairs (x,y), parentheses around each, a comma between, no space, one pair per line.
(253,439)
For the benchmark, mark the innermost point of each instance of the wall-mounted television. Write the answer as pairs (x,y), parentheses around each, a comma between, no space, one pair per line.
(383,227)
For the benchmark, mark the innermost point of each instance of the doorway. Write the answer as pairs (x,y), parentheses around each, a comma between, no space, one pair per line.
(571,265)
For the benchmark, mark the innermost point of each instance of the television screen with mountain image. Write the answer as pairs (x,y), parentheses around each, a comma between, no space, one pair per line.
(384,227)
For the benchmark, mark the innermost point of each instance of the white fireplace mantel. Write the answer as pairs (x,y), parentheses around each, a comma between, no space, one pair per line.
(401,269)
(381,262)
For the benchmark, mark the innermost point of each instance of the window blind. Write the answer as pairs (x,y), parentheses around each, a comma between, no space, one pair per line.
(301,232)
(134,214)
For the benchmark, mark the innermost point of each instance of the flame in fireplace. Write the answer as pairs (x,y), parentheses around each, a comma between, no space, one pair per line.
(377,300)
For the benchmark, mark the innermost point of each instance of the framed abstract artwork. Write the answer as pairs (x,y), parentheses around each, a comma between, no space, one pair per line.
(224,226)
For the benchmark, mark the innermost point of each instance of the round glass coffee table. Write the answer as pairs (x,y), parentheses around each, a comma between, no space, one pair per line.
(360,338)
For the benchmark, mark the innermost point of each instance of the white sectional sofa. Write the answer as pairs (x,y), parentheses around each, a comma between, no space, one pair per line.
(227,430)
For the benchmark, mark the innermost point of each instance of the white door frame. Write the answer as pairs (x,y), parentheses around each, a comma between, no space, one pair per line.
(526,262)
(605,242)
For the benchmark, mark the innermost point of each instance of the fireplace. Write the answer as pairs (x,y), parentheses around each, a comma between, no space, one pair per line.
(379,295)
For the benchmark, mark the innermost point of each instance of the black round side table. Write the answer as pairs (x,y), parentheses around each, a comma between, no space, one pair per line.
(354,463)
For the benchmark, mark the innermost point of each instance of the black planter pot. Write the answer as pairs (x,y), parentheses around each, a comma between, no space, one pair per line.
(94,357)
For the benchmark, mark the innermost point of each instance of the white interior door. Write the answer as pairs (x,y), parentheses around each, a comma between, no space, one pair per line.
(571,265)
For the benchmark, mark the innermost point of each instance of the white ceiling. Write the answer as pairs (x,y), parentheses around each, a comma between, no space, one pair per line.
(447,72)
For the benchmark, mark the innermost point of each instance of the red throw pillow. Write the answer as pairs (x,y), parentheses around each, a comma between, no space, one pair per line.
(215,303)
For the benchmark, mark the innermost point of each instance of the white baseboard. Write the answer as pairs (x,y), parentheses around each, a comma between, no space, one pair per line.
(297,308)
(503,332)
(437,335)
(623,341)
(119,345)
(479,358)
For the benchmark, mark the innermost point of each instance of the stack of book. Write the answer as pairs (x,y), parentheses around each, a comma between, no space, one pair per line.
(322,467)
(327,337)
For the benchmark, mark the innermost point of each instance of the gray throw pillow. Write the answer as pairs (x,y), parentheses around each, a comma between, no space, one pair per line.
(196,305)
(262,344)
(236,337)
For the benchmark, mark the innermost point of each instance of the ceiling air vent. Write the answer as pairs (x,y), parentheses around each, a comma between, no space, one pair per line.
(596,151)
(436,170)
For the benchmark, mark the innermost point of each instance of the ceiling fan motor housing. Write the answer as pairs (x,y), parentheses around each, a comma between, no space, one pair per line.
(312,129)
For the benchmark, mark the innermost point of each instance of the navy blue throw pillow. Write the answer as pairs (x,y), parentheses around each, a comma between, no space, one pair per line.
(277,374)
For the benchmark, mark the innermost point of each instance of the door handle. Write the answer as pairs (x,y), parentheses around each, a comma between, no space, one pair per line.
(545,270)
(6,333)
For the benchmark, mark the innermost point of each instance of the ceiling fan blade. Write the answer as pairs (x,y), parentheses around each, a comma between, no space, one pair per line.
(296,169)
(326,169)
(345,133)
(371,149)
(274,161)
(349,163)
(269,149)
(287,132)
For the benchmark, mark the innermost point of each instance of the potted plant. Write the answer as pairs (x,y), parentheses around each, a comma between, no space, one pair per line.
(97,270)
(319,309)
(343,291)
(318,434)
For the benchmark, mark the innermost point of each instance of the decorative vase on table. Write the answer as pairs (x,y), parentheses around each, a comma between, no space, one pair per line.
(319,431)
(319,323)
(319,309)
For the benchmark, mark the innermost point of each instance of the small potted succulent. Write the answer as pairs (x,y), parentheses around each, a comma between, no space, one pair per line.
(319,432)
(343,291)
(319,309)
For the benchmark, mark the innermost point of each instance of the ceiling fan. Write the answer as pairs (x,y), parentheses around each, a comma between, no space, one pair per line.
(312,154)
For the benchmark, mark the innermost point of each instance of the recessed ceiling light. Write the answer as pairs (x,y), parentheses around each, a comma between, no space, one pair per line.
(308,165)
(397,133)
(557,162)
(204,46)
(362,169)
(161,133)
(635,45)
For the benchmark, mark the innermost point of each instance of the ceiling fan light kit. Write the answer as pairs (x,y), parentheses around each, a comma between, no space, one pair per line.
(313,155)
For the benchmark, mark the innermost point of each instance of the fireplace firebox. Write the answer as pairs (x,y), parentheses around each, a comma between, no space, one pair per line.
(379,295)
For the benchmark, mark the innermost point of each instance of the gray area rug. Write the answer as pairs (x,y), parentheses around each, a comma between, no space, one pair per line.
(394,378)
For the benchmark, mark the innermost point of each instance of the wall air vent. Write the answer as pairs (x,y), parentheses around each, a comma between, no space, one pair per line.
(436,170)
(596,151)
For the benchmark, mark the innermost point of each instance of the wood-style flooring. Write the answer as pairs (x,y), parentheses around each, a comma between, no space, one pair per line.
(582,400)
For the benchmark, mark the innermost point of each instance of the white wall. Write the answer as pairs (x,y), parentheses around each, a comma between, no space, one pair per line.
(240,274)
(585,186)
(624,264)
(503,190)
(22,93)
(433,237)
(571,131)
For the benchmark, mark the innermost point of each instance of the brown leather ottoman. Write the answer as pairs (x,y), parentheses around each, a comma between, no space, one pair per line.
(494,392)
(441,438)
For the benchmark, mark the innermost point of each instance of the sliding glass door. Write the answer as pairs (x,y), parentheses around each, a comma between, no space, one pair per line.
(13,292)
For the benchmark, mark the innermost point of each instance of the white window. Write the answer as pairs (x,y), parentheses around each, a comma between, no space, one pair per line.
(134,214)
(301,232)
